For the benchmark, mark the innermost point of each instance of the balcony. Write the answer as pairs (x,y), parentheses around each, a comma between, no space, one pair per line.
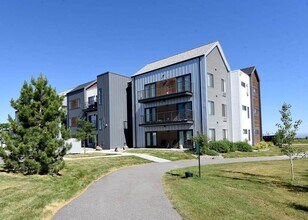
(167,118)
(165,90)
(90,106)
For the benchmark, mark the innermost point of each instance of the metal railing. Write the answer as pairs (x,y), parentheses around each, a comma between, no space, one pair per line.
(158,91)
(167,117)
(90,105)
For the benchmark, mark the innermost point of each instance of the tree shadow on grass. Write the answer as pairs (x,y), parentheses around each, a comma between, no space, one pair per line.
(262,179)
(299,207)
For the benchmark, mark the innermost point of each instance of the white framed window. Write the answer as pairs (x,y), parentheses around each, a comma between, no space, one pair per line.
(223,85)
(225,134)
(211,108)
(224,110)
(212,135)
(210,80)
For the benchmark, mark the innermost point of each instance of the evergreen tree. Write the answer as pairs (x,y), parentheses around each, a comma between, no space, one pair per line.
(35,141)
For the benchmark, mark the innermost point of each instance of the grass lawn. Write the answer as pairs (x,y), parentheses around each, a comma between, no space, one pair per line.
(165,154)
(37,197)
(259,190)
(271,151)
(86,155)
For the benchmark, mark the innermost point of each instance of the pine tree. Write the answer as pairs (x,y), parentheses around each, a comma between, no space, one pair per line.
(35,141)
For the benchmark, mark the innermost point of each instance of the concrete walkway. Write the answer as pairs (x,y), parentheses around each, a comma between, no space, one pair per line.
(134,193)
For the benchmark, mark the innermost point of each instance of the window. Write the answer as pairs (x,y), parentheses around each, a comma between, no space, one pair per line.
(256,131)
(223,85)
(185,138)
(248,134)
(211,108)
(212,134)
(100,124)
(150,115)
(248,114)
(225,134)
(254,89)
(255,111)
(75,104)
(224,110)
(183,83)
(151,139)
(73,122)
(150,90)
(100,96)
(184,111)
(244,108)
(243,84)
(91,100)
(210,80)
(92,119)
(244,131)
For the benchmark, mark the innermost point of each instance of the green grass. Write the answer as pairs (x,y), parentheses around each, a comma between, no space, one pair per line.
(37,197)
(301,141)
(271,151)
(165,154)
(86,155)
(259,190)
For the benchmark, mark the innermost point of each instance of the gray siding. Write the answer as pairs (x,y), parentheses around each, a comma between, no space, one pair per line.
(113,110)
(188,67)
(216,66)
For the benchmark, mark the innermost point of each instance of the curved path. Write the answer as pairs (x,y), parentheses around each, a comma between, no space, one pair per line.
(134,193)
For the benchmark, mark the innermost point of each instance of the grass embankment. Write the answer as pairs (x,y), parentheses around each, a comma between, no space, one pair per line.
(165,154)
(37,197)
(271,151)
(259,190)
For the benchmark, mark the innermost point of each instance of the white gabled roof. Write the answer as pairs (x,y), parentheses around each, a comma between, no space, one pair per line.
(187,55)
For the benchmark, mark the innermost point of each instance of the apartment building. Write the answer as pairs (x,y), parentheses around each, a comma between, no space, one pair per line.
(103,102)
(176,97)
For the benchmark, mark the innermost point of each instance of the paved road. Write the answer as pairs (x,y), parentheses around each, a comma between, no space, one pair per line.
(133,193)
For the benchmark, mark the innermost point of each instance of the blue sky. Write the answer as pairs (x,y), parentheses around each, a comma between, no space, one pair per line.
(72,41)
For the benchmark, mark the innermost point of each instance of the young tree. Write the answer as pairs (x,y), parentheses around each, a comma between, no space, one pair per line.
(286,134)
(35,141)
(85,130)
(202,140)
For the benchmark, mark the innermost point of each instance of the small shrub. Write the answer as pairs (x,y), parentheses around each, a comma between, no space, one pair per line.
(210,152)
(243,146)
(263,145)
(232,147)
(219,146)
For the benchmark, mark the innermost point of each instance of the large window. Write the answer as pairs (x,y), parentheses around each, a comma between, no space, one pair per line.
(92,119)
(185,138)
(184,110)
(211,108)
(91,100)
(100,96)
(150,90)
(224,110)
(183,83)
(150,115)
(212,135)
(151,139)
(210,80)
(75,103)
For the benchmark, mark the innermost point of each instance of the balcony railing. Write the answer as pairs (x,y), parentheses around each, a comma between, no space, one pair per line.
(170,117)
(173,90)
(90,106)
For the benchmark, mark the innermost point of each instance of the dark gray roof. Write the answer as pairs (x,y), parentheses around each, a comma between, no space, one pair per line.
(249,70)
(82,86)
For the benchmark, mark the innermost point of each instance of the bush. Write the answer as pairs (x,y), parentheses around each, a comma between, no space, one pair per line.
(243,146)
(220,146)
(263,145)
(210,152)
